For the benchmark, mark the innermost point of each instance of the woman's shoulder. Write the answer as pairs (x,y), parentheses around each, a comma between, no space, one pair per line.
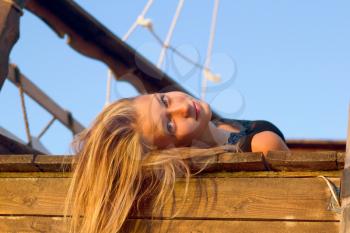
(242,124)
(251,126)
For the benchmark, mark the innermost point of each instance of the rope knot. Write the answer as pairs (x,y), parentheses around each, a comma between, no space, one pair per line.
(147,23)
(211,76)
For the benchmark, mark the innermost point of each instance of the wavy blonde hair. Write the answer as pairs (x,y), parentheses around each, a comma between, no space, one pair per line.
(112,166)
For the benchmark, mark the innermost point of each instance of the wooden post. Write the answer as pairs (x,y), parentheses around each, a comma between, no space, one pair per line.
(10,12)
(345,187)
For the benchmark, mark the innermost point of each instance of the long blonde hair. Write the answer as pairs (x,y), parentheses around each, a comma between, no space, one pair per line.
(111,166)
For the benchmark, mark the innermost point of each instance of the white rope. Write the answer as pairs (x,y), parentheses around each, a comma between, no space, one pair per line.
(139,21)
(108,91)
(331,188)
(147,23)
(23,106)
(177,52)
(170,33)
(136,23)
(206,73)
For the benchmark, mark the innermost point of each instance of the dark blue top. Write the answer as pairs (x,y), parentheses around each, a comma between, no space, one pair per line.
(247,130)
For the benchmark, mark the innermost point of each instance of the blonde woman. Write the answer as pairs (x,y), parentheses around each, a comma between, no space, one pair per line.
(138,141)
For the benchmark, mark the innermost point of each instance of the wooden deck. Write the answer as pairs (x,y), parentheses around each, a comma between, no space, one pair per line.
(239,192)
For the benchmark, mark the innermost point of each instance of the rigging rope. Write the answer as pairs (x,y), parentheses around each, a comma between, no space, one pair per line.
(206,72)
(170,33)
(147,23)
(23,105)
(212,77)
(125,37)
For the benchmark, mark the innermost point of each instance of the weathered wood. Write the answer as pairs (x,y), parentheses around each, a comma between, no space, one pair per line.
(10,146)
(9,33)
(271,174)
(54,163)
(219,162)
(55,225)
(312,161)
(340,160)
(316,145)
(241,161)
(224,198)
(17,163)
(242,174)
(345,186)
(44,100)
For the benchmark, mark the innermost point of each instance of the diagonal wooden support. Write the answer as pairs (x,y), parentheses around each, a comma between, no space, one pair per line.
(10,12)
(65,117)
(345,187)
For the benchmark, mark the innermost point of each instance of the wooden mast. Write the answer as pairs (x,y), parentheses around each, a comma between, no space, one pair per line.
(10,12)
(345,187)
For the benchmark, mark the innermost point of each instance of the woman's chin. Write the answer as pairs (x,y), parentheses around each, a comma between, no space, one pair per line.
(206,111)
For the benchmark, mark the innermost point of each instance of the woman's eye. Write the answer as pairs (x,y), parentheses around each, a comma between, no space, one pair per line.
(164,100)
(171,127)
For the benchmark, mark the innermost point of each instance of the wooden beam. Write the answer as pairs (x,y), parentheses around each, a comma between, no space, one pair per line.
(10,12)
(218,162)
(17,163)
(312,145)
(10,146)
(302,160)
(65,117)
(345,187)
(287,199)
(55,224)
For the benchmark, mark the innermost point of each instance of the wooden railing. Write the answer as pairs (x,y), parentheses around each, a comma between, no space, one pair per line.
(239,192)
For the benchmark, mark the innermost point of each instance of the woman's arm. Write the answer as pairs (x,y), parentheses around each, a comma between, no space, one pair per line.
(267,140)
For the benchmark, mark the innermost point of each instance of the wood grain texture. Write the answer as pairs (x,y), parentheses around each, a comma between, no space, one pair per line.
(54,163)
(226,198)
(31,224)
(9,34)
(241,161)
(309,161)
(345,186)
(17,163)
(214,161)
(241,174)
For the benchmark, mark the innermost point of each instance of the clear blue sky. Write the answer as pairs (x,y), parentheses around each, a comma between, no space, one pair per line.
(292,64)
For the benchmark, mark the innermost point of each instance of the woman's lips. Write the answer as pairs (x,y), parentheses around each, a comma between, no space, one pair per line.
(196,107)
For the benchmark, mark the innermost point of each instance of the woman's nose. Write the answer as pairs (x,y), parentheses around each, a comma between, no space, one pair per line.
(180,109)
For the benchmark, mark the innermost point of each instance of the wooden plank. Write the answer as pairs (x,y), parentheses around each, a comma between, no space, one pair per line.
(270,174)
(345,186)
(217,226)
(242,174)
(224,198)
(220,161)
(10,146)
(309,161)
(316,145)
(15,163)
(54,163)
(340,160)
(10,13)
(241,161)
(55,225)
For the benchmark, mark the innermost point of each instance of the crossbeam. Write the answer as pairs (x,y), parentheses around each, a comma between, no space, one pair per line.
(64,116)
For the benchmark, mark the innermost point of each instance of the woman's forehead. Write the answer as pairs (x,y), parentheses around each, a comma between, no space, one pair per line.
(149,115)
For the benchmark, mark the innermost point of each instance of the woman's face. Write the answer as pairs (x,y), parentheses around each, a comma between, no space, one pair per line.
(171,119)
